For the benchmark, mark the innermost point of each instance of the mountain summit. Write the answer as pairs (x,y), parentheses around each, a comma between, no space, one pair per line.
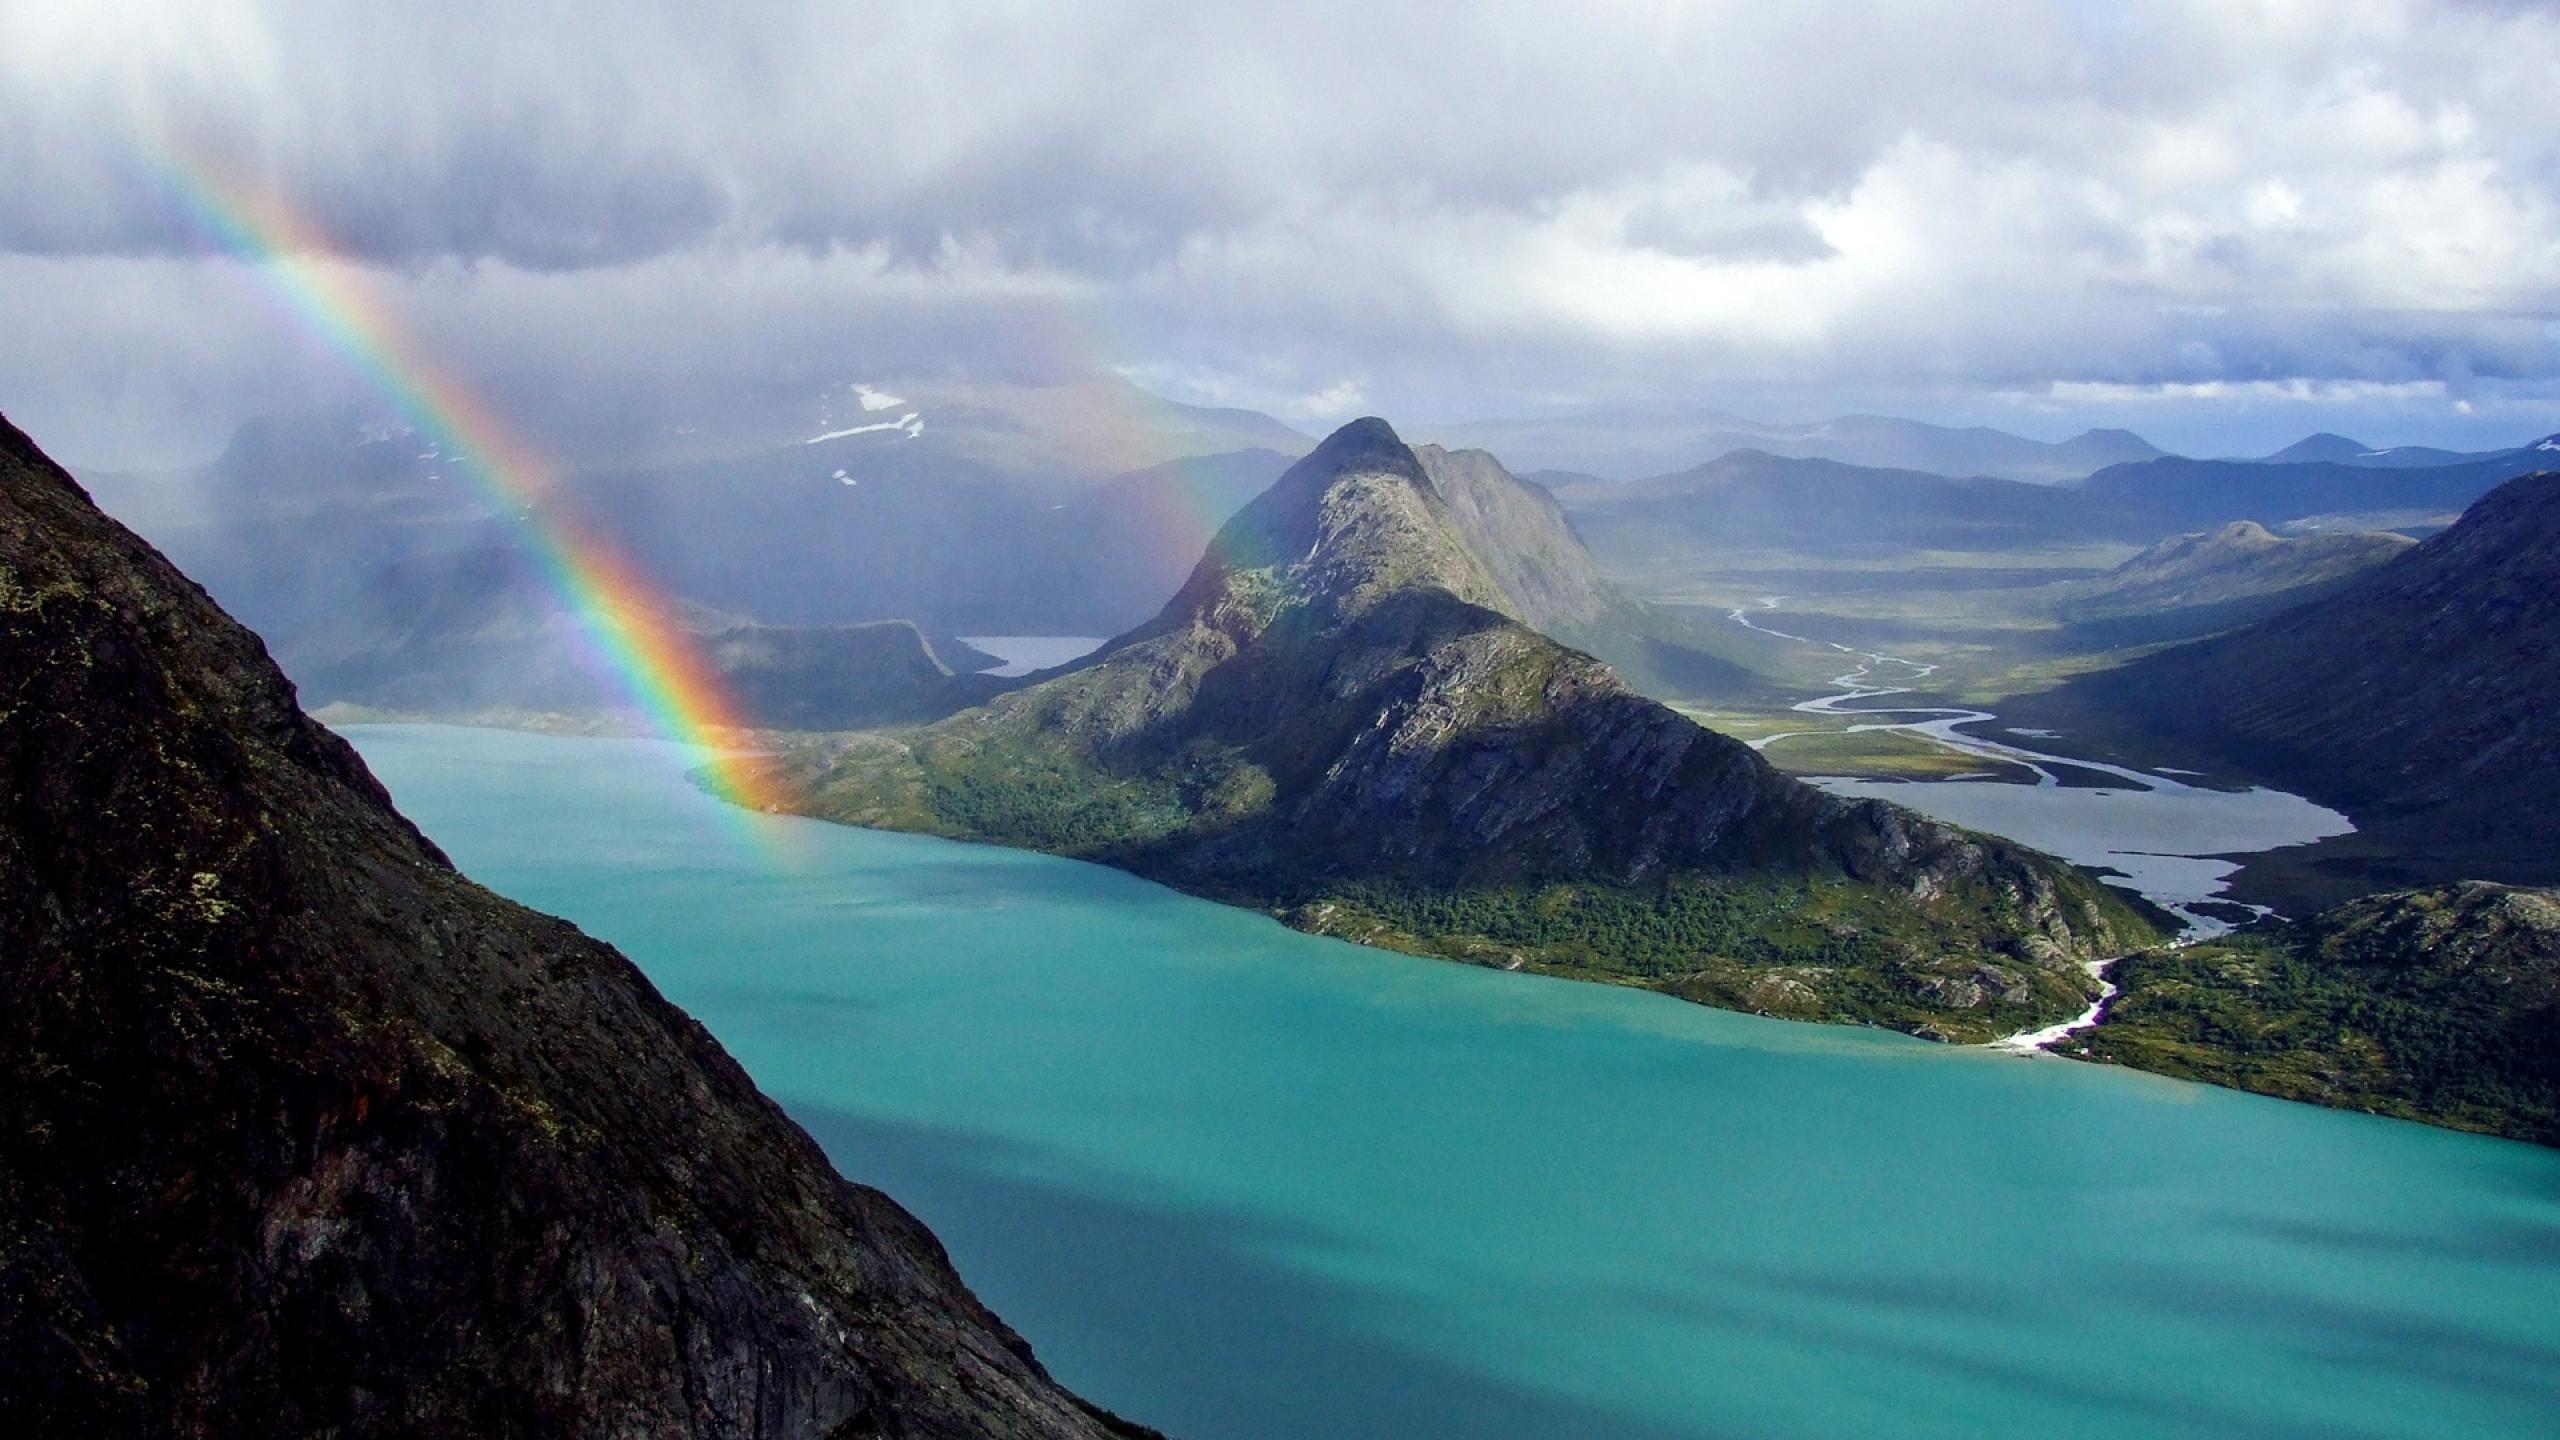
(1346,716)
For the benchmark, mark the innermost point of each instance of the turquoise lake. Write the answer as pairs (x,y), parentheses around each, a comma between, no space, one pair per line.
(1238,1182)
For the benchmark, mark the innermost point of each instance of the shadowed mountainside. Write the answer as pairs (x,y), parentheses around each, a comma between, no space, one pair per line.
(994,510)
(2418,698)
(301,1132)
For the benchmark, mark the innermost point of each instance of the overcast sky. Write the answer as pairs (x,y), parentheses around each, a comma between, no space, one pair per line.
(2220,222)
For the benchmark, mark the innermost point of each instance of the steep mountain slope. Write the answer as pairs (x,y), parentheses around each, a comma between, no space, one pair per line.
(303,1133)
(2419,698)
(1342,717)
(1121,547)
(1520,535)
(2233,573)
(2440,1005)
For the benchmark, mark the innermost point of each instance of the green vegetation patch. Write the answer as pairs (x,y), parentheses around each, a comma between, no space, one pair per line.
(1028,796)
(1807,948)
(2421,1037)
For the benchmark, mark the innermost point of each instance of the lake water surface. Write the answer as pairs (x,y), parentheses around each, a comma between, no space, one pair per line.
(1239,1182)
(1024,654)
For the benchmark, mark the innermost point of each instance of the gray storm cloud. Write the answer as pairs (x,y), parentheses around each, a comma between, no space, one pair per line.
(1461,208)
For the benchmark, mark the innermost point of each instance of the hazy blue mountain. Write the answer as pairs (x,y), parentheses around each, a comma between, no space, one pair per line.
(1626,445)
(1753,500)
(2332,449)
(2199,494)
(384,579)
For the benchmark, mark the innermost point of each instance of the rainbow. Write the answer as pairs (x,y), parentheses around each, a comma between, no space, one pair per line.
(627,619)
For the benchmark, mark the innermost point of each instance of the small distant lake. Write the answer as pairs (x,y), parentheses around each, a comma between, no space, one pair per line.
(1245,1184)
(1023,654)
(2161,839)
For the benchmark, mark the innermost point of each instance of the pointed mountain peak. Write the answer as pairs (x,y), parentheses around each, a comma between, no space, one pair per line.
(2325,446)
(1358,440)
(1357,519)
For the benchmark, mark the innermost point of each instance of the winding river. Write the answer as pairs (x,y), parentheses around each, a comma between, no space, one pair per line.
(2146,830)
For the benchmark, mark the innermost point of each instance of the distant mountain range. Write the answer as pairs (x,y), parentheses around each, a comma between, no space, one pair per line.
(860,528)
(303,1133)
(2194,494)
(2330,449)
(2418,697)
(1346,716)
(1627,445)
(1753,500)
(992,509)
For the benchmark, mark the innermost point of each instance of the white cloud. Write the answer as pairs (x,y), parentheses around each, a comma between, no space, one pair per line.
(2299,390)
(1462,205)
(1336,401)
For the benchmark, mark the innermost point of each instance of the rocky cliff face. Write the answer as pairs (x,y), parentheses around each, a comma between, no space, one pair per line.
(301,1132)
(1343,711)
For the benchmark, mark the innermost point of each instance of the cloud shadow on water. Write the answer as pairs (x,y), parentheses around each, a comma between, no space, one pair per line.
(1185,1319)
